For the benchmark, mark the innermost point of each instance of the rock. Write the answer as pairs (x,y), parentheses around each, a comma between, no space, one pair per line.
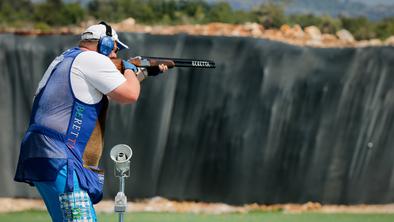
(375,42)
(329,37)
(128,22)
(367,43)
(362,43)
(285,28)
(314,43)
(345,35)
(254,29)
(389,41)
(310,36)
(292,32)
(298,32)
(330,40)
(148,28)
(313,32)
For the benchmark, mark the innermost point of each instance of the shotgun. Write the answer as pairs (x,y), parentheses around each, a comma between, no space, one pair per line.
(148,61)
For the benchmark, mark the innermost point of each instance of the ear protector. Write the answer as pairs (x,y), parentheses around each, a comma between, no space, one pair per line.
(106,43)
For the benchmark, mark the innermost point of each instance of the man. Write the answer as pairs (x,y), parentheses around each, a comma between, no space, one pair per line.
(62,146)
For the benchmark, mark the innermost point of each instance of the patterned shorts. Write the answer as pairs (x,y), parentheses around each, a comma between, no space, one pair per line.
(76,207)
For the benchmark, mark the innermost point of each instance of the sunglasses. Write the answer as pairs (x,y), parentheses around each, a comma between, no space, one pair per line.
(116,49)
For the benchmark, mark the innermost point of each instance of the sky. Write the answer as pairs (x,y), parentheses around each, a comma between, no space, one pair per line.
(375,2)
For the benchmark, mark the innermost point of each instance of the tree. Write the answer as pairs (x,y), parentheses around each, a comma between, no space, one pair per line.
(12,11)
(360,27)
(326,24)
(221,12)
(270,15)
(56,13)
(385,28)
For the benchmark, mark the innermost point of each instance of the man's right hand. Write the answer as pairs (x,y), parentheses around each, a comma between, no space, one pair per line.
(130,66)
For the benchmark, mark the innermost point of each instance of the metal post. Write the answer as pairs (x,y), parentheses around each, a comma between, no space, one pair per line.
(121,199)
(121,155)
(120,216)
(121,189)
(121,184)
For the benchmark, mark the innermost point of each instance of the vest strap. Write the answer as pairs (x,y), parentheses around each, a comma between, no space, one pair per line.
(70,176)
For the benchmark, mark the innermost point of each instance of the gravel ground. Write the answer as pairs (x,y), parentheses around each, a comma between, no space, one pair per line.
(158,204)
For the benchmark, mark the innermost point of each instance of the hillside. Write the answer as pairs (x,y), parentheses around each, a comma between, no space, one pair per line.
(296,35)
(374,10)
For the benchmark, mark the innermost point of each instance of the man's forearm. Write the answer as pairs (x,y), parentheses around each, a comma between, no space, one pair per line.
(129,91)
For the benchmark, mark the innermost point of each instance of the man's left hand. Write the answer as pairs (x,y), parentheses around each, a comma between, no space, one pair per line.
(156,70)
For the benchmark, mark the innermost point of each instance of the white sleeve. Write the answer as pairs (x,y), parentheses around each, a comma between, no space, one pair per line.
(99,71)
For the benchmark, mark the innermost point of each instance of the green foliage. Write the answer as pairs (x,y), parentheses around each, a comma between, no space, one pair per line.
(385,28)
(221,12)
(193,12)
(325,23)
(15,11)
(360,27)
(56,13)
(48,13)
(42,26)
(73,13)
(270,15)
(166,11)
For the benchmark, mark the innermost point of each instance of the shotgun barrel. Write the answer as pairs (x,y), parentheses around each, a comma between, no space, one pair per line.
(147,61)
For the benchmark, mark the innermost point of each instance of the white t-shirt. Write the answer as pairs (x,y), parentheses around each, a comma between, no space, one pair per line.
(92,75)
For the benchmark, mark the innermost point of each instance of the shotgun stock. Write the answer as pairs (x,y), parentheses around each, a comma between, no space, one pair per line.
(148,61)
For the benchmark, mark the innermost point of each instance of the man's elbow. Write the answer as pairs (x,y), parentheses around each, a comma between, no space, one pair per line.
(133,98)
(130,98)
(125,97)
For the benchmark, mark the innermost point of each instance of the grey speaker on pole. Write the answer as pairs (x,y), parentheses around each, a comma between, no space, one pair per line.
(121,155)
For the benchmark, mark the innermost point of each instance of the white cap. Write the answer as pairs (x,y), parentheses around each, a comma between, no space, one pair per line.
(98,31)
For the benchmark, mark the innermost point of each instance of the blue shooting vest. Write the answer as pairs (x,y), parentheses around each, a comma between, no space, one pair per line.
(60,127)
